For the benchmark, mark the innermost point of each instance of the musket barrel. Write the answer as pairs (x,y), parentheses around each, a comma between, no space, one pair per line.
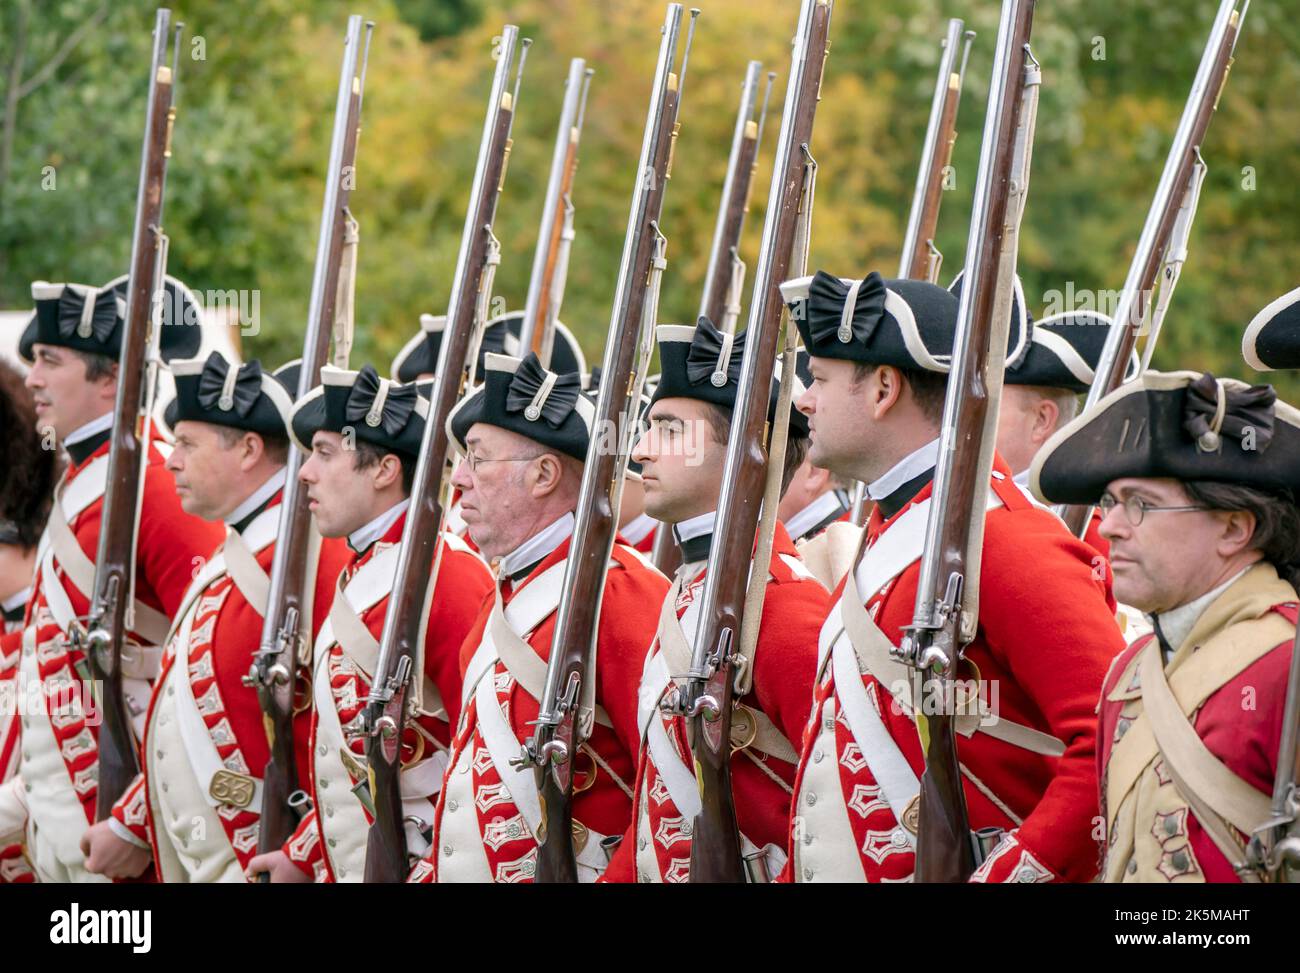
(726,231)
(553,210)
(948,66)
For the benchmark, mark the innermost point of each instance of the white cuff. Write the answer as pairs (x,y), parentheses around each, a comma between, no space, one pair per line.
(123,832)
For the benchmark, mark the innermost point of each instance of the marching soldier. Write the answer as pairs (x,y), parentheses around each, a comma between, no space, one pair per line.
(1197,479)
(73,342)
(525,433)
(195,808)
(682,460)
(26,485)
(364,435)
(1046,631)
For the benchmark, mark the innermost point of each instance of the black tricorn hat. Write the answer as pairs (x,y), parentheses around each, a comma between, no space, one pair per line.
(91,319)
(419,356)
(521,396)
(1177,425)
(1272,339)
(703,363)
(386,414)
(240,396)
(1063,352)
(904,323)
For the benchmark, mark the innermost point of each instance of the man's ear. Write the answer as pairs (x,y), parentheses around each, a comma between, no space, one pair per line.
(108,385)
(1238,527)
(252,449)
(887,389)
(1047,414)
(546,475)
(387,472)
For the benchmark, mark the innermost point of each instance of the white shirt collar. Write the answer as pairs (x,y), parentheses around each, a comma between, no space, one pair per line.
(538,546)
(638,528)
(695,526)
(813,514)
(93,428)
(908,468)
(17,599)
(1021,479)
(363,537)
(258,497)
(1177,623)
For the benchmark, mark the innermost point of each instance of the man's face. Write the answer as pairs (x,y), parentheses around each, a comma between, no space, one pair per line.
(496,497)
(1172,557)
(838,417)
(339,495)
(681,461)
(65,401)
(205,469)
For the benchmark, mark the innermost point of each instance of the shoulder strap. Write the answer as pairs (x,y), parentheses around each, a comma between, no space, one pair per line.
(1200,775)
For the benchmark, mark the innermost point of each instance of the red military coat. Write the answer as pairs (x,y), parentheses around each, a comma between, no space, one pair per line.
(171,547)
(480,831)
(14,867)
(462,584)
(783,682)
(1046,636)
(229,629)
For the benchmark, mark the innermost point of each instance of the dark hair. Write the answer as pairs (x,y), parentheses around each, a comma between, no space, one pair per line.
(97,366)
(27,476)
(366,455)
(796,447)
(929,389)
(275,447)
(1277,520)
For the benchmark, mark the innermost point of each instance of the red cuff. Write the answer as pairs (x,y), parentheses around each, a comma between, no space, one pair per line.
(132,810)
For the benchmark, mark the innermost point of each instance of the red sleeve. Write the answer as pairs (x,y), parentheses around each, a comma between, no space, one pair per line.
(628,622)
(1047,622)
(173,546)
(786,668)
(463,584)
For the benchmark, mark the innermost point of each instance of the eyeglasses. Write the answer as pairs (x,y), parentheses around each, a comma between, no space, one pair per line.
(474,462)
(1135,508)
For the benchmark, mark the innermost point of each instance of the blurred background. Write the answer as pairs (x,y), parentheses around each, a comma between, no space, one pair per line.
(256,94)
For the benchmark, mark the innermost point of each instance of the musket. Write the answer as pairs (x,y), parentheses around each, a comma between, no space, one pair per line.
(1168,223)
(707,697)
(551,258)
(566,708)
(921,258)
(287,625)
(401,645)
(947,598)
(112,600)
(724,278)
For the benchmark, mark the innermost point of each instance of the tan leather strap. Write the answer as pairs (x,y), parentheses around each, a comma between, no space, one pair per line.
(1200,775)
